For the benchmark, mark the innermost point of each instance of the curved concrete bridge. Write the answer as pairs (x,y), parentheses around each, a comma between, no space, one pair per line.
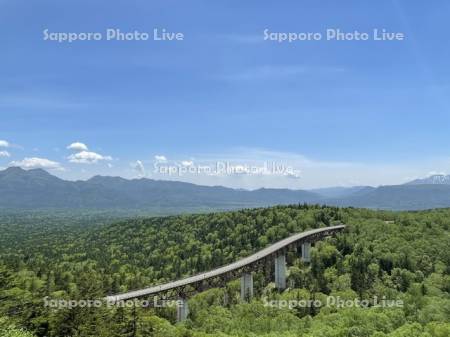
(242,268)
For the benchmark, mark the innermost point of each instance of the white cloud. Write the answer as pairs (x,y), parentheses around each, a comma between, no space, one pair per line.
(436,173)
(139,168)
(77,146)
(4,143)
(254,168)
(160,158)
(187,163)
(4,154)
(87,157)
(35,162)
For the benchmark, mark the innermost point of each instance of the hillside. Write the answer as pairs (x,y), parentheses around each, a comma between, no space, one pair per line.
(401,256)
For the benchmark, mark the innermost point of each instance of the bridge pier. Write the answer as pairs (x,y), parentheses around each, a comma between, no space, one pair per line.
(306,252)
(182,309)
(246,286)
(280,272)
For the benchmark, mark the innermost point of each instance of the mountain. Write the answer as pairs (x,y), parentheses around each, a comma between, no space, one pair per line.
(399,197)
(38,189)
(341,192)
(437,179)
(431,192)
(33,189)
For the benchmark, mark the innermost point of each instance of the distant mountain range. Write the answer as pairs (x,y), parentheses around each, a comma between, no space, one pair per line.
(437,179)
(37,189)
(341,192)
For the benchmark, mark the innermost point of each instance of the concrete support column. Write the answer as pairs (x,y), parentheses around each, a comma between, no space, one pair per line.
(182,309)
(246,286)
(280,272)
(306,252)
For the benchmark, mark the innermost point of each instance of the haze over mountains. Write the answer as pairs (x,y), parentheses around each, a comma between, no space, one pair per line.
(35,189)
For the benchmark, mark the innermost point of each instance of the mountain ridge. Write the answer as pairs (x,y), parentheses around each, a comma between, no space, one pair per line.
(37,188)
(33,189)
(435,179)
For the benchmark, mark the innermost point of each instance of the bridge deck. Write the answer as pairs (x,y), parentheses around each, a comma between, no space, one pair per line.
(225,269)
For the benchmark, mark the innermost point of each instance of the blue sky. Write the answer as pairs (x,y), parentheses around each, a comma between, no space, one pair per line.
(333,112)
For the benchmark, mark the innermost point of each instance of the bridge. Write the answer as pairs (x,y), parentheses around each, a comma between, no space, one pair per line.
(243,268)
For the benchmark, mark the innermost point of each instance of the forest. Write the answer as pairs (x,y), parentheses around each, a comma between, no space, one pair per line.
(399,256)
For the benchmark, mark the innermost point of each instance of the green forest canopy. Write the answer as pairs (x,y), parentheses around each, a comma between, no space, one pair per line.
(399,255)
